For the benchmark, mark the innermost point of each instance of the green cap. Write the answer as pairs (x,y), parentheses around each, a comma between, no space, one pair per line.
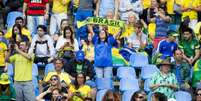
(172,33)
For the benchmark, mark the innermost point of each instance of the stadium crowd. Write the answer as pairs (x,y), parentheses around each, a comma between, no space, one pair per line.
(100,50)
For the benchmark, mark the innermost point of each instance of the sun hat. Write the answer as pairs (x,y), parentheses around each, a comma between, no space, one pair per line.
(4,79)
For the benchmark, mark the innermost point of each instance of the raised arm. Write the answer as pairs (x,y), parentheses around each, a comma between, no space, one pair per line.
(24,54)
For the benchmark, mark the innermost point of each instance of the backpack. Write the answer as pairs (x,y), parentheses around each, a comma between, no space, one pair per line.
(40,43)
(66,53)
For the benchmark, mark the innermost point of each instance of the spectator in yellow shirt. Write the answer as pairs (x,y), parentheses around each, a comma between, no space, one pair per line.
(64,77)
(190,10)
(88,48)
(129,26)
(79,91)
(23,63)
(20,21)
(3,53)
(60,9)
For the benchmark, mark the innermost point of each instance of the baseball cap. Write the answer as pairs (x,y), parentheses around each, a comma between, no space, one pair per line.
(172,33)
(80,55)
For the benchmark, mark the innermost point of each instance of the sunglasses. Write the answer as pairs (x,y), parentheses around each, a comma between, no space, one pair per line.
(140,97)
(198,94)
(53,79)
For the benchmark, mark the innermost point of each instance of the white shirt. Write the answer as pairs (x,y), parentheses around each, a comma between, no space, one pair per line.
(42,49)
(61,41)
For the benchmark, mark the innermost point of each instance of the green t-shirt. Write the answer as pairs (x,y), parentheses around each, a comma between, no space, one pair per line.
(189,47)
(79,68)
(5,97)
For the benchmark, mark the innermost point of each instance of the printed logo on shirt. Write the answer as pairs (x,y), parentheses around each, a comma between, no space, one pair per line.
(36,1)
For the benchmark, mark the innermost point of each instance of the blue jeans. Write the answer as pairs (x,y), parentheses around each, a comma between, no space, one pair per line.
(33,22)
(103,72)
(80,16)
(55,22)
(24,91)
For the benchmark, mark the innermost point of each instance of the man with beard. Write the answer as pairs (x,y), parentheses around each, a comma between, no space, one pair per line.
(190,46)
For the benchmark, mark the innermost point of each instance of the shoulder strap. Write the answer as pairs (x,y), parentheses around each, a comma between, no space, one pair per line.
(41,42)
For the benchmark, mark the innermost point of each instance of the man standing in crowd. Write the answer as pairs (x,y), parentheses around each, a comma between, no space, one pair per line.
(23,63)
(37,13)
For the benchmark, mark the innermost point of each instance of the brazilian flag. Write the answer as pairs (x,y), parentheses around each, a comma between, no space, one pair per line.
(117,59)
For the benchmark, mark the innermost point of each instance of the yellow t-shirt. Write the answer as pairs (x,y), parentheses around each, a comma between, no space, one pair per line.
(190,3)
(152,30)
(3,48)
(84,90)
(63,77)
(196,31)
(146,4)
(60,6)
(76,3)
(113,30)
(89,51)
(23,67)
(170,6)
(129,30)
(26,32)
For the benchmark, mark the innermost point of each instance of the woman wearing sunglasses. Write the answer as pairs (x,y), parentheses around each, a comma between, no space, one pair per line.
(47,93)
(198,94)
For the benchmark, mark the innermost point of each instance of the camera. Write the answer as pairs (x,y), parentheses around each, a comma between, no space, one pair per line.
(60,98)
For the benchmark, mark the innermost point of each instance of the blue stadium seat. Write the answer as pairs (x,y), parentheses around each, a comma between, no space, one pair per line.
(148,70)
(129,84)
(104,83)
(35,79)
(149,96)
(138,60)
(35,70)
(35,84)
(147,85)
(183,96)
(91,83)
(126,72)
(127,95)
(100,94)
(11,18)
(49,68)
(173,27)
(10,70)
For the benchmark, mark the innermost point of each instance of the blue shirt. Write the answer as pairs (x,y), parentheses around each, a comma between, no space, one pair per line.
(161,28)
(103,51)
(106,5)
(167,48)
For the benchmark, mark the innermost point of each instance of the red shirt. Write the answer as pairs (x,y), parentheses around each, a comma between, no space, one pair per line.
(36,7)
